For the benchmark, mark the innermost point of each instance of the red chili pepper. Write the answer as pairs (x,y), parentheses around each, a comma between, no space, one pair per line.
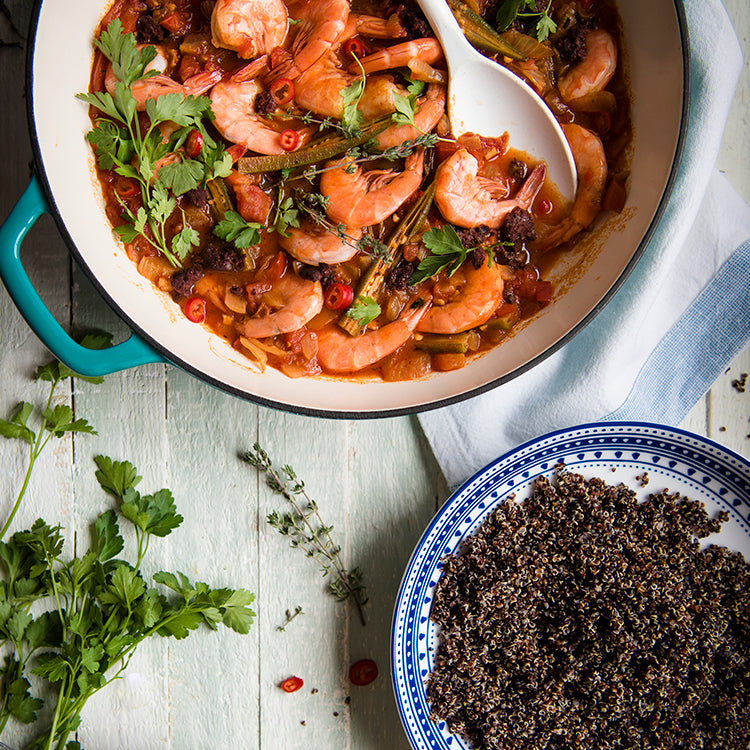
(282,89)
(194,144)
(544,206)
(125,187)
(363,672)
(354,48)
(292,684)
(289,139)
(195,309)
(337,296)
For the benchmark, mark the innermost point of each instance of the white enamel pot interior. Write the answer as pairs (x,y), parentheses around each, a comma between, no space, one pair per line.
(655,39)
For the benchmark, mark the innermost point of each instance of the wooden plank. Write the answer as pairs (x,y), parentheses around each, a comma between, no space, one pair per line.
(213,677)
(396,489)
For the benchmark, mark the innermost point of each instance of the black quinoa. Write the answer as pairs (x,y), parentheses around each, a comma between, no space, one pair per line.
(581,618)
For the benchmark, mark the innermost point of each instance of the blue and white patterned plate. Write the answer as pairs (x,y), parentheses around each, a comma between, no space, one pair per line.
(617,452)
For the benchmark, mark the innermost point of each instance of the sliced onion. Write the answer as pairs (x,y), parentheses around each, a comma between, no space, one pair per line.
(235,302)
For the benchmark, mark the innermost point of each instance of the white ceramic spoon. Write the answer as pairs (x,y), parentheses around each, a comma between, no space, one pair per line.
(487,99)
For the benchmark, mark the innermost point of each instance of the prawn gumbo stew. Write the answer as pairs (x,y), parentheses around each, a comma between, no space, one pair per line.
(286,172)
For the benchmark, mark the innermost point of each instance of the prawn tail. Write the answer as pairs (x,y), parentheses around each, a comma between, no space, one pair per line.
(530,189)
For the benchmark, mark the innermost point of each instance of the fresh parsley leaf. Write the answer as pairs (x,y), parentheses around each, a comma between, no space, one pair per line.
(107,542)
(153,514)
(16,428)
(363,310)
(184,241)
(128,61)
(447,252)
(352,118)
(545,26)
(182,176)
(233,228)
(116,477)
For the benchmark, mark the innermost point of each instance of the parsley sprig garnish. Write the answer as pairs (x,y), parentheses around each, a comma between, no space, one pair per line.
(447,251)
(306,530)
(363,310)
(509,10)
(162,171)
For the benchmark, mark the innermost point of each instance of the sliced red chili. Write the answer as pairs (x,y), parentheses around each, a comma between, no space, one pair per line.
(354,48)
(289,139)
(282,89)
(125,187)
(544,207)
(363,672)
(337,296)
(195,309)
(291,684)
(194,144)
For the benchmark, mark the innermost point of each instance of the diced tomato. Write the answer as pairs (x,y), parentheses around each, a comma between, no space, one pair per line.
(176,22)
(447,361)
(194,144)
(252,203)
(190,66)
(337,296)
(363,672)
(236,151)
(282,89)
(276,267)
(289,139)
(354,48)
(292,684)
(445,148)
(125,187)
(524,281)
(543,291)
(614,196)
(195,309)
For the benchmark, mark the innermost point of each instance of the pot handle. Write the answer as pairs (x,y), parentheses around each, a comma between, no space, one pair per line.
(132,352)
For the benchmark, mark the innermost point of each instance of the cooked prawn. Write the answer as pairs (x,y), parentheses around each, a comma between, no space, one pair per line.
(320,26)
(233,103)
(298,300)
(320,88)
(478,297)
(314,244)
(428,50)
(249,27)
(340,352)
(361,199)
(596,69)
(591,166)
(428,114)
(468,200)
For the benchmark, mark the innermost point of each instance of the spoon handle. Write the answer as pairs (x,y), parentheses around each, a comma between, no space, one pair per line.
(446,28)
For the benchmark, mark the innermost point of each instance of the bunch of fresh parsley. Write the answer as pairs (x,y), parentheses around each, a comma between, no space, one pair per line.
(75,623)
(159,167)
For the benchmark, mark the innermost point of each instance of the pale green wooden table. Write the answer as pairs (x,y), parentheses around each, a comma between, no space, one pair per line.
(376,481)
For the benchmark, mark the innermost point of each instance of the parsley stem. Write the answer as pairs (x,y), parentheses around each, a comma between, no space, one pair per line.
(36,448)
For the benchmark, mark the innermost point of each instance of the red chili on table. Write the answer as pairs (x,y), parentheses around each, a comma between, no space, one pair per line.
(289,139)
(291,684)
(195,309)
(193,144)
(337,296)
(363,672)
(282,89)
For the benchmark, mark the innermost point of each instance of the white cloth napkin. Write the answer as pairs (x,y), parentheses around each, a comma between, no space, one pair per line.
(670,330)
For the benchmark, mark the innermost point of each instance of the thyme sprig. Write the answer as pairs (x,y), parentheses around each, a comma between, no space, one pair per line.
(306,530)
(288,617)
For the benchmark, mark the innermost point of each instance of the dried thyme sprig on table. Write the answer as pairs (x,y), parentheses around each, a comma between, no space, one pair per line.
(306,530)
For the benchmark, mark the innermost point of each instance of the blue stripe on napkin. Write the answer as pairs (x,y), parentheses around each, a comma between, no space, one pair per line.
(687,361)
